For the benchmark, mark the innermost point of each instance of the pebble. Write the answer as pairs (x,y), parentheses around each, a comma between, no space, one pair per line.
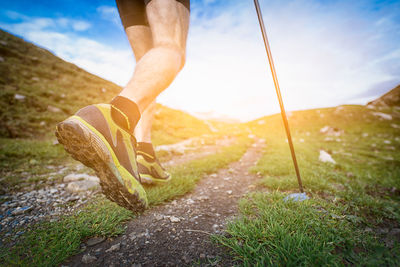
(113,248)
(326,157)
(53,109)
(229,192)
(88,259)
(94,241)
(158,217)
(19,97)
(174,219)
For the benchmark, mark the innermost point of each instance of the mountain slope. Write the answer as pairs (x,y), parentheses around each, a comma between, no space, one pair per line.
(38,89)
(391,98)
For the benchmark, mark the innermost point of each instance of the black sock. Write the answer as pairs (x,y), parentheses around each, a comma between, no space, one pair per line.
(148,150)
(125,113)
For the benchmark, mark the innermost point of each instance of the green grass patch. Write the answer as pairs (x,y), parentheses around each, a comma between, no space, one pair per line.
(360,191)
(274,232)
(50,243)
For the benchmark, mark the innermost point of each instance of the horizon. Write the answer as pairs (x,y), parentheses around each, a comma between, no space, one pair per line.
(320,48)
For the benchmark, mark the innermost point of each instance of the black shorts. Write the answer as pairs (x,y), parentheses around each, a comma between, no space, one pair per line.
(133,12)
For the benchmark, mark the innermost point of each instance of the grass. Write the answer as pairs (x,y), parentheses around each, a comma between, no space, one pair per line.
(361,191)
(50,243)
(274,232)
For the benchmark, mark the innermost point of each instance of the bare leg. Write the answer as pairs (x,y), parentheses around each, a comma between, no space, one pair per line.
(156,69)
(143,128)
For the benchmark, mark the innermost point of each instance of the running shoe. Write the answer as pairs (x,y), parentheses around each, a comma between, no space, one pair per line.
(93,138)
(150,169)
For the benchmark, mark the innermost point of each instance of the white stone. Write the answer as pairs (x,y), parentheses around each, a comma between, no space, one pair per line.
(365,135)
(387,142)
(174,219)
(88,259)
(382,115)
(53,109)
(396,126)
(326,157)
(229,192)
(19,97)
(328,130)
(81,186)
(80,176)
(115,247)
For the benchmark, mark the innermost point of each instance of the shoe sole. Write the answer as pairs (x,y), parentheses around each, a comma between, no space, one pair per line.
(86,145)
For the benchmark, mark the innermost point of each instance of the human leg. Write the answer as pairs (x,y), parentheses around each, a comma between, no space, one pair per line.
(156,70)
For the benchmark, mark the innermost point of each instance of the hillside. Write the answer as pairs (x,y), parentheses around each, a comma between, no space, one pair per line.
(391,98)
(38,89)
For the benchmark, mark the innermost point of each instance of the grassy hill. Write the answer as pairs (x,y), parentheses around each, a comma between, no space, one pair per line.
(38,90)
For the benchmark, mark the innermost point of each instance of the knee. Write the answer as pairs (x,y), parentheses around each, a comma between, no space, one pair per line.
(175,54)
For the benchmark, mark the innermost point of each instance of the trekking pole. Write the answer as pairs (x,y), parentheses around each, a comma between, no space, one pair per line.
(278,92)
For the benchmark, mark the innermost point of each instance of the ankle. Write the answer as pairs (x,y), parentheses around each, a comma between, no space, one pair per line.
(125,113)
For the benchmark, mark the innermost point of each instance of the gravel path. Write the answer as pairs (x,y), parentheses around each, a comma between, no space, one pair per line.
(178,233)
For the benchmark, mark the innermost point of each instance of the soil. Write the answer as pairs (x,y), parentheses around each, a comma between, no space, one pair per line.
(178,233)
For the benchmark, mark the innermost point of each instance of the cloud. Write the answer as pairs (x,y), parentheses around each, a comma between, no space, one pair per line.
(23,22)
(109,13)
(91,55)
(326,53)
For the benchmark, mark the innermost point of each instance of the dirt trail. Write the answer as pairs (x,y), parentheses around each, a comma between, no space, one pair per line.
(178,233)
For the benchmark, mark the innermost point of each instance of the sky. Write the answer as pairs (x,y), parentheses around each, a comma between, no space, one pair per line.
(326,52)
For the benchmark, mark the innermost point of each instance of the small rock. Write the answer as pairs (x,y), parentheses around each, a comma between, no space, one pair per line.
(365,135)
(328,130)
(158,217)
(382,115)
(213,175)
(79,176)
(387,142)
(396,126)
(115,247)
(202,256)
(53,109)
(19,97)
(229,192)
(53,191)
(325,157)
(19,210)
(132,236)
(174,219)
(36,79)
(94,241)
(81,186)
(88,259)
(1,59)
(190,201)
